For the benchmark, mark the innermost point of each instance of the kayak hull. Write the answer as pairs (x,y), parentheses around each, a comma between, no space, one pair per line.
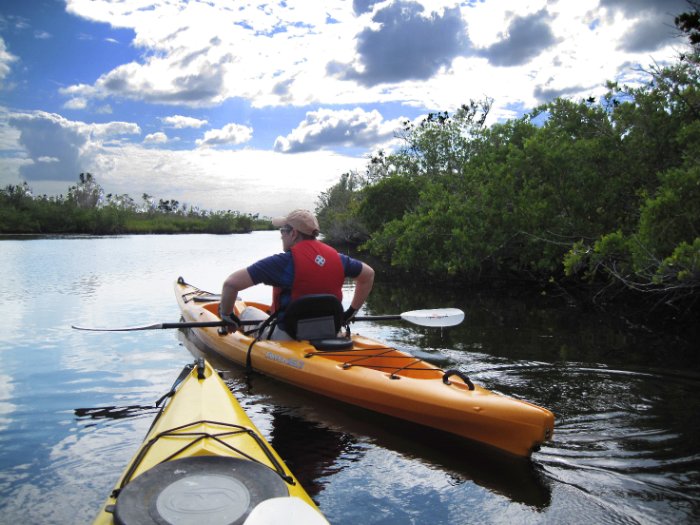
(379,378)
(201,436)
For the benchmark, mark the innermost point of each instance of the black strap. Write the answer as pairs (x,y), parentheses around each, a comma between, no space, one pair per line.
(185,372)
(461,375)
(270,321)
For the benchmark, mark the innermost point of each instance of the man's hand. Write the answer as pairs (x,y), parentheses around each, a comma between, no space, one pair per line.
(231,323)
(349,314)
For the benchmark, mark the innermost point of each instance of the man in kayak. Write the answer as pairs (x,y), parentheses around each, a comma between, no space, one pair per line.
(307,266)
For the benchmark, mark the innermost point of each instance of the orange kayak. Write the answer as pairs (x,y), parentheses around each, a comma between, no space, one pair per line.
(377,377)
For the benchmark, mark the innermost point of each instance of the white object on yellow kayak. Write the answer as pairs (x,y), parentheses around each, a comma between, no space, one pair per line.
(287,511)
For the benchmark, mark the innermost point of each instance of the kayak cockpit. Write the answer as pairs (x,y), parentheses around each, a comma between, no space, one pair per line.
(198,487)
(360,352)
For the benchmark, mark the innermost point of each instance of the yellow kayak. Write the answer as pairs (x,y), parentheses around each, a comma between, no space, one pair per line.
(204,461)
(378,377)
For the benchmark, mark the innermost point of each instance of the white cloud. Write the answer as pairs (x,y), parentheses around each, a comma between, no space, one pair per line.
(525,38)
(347,128)
(231,135)
(156,138)
(79,90)
(69,144)
(201,54)
(6,59)
(9,136)
(179,122)
(110,129)
(76,103)
(250,181)
(393,48)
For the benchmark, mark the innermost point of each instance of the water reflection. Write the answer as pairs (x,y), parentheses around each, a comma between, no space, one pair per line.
(626,433)
(625,447)
(312,451)
(85,286)
(621,436)
(112,412)
(6,406)
(516,324)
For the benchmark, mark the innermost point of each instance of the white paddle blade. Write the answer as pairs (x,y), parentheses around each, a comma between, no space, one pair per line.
(120,329)
(436,317)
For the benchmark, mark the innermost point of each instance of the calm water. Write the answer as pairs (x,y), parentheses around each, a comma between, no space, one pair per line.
(74,406)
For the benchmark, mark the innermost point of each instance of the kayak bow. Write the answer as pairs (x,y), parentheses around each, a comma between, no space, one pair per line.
(378,377)
(204,461)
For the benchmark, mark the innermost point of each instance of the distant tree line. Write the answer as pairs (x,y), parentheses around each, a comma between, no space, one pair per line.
(86,209)
(601,193)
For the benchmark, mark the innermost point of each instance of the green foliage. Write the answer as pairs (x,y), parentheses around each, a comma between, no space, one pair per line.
(663,255)
(523,195)
(386,200)
(441,144)
(228,222)
(656,252)
(336,211)
(611,255)
(683,266)
(606,192)
(672,215)
(87,210)
(689,23)
(87,193)
(418,241)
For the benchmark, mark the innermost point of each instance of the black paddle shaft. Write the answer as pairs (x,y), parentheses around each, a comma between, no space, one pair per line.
(202,324)
(377,318)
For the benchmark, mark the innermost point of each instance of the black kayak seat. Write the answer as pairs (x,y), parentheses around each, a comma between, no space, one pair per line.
(317,318)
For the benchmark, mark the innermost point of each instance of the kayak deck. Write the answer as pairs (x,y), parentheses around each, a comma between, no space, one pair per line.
(380,378)
(367,354)
(201,450)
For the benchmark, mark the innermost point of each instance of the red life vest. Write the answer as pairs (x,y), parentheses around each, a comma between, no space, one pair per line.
(317,269)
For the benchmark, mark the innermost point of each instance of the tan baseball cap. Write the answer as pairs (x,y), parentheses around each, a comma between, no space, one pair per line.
(301,220)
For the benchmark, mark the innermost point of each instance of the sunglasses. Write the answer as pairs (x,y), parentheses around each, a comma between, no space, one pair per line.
(285,229)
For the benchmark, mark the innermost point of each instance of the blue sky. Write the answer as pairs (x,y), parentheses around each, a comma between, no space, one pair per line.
(260,106)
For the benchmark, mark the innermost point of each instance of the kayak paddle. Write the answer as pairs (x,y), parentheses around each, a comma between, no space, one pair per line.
(161,326)
(436,318)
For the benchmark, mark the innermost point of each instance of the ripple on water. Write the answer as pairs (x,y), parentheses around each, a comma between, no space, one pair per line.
(620,441)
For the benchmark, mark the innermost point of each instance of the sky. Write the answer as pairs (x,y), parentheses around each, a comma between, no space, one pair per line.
(258,107)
